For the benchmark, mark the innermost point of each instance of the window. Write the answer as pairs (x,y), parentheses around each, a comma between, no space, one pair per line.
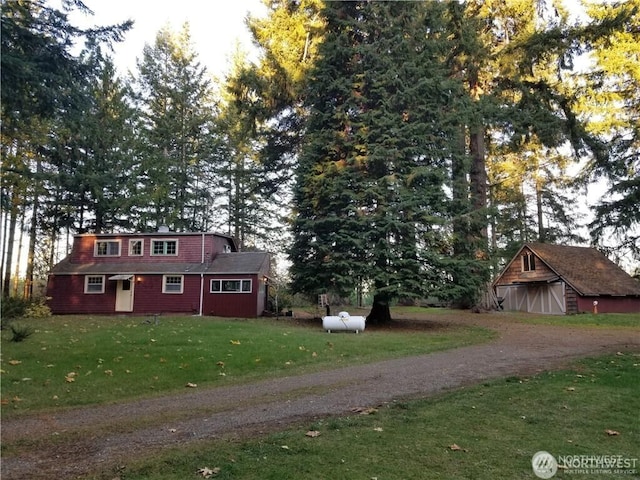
(230,286)
(172,284)
(164,247)
(528,262)
(94,284)
(136,248)
(107,248)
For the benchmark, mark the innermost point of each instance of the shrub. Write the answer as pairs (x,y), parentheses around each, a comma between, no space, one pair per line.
(20,332)
(37,309)
(13,307)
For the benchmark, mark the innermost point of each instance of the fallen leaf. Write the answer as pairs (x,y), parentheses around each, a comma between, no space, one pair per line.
(15,362)
(172,430)
(284,447)
(611,433)
(454,447)
(70,377)
(109,372)
(220,364)
(571,389)
(207,472)
(364,410)
(312,433)
(378,429)
(191,385)
(235,342)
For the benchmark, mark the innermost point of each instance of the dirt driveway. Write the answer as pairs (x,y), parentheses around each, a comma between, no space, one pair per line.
(82,441)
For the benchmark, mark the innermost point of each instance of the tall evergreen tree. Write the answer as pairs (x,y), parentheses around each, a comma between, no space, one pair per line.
(92,151)
(611,103)
(371,202)
(176,100)
(39,77)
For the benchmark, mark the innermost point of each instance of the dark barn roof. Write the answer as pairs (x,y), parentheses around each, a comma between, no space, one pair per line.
(586,269)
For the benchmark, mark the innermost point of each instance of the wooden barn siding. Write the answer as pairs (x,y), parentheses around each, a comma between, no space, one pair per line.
(571,300)
(148,296)
(242,305)
(609,304)
(189,249)
(66,296)
(514,273)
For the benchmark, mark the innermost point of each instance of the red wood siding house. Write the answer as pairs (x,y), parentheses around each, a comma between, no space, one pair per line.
(559,279)
(161,272)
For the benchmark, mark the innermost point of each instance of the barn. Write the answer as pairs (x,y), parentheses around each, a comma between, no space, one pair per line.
(560,279)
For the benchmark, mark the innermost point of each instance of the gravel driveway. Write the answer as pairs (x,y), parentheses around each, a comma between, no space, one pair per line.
(93,439)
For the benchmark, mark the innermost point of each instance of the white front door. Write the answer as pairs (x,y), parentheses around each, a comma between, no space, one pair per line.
(124,295)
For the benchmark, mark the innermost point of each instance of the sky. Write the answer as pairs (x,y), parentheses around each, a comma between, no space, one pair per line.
(216,27)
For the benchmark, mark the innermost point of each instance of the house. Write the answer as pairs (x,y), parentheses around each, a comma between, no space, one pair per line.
(559,279)
(161,272)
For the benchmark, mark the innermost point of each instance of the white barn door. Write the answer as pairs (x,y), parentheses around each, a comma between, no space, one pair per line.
(548,299)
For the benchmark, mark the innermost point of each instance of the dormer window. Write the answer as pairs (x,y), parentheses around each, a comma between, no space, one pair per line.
(164,247)
(226,249)
(528,262)
(136,248)
(107,248)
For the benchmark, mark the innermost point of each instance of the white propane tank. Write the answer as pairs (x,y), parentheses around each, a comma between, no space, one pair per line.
(343,322)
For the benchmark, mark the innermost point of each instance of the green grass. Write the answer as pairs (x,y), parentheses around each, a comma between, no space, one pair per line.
(73,361)
(605,320)
(498,426)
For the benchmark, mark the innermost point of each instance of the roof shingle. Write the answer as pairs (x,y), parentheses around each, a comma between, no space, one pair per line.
(586,269)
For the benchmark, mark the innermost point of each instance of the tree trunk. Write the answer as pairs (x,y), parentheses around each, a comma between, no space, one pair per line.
(33,233)
(380,312)
(541,230)
(13,223)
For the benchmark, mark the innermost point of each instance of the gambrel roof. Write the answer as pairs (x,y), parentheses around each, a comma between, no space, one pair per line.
(587,270)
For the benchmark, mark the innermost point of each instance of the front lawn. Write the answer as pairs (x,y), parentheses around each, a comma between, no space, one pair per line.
(81,360)
(486,432)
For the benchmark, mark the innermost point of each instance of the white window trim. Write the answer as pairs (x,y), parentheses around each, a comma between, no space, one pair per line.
(164,284)
(86,284)
(95,248)
(241,280)
(131,243)
(151,249)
